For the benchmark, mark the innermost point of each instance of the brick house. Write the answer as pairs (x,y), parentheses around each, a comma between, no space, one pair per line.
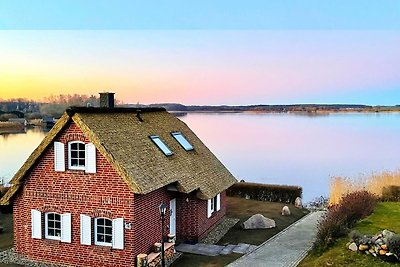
(89,193)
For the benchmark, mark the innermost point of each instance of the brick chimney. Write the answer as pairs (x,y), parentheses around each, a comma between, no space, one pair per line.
(107,100)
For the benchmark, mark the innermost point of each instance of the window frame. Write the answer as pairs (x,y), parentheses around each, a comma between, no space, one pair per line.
(81,168)
(46,226)
(174,134)
(153,137)
(100,243)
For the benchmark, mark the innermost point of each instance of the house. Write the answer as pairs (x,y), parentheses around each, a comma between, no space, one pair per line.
(89,193)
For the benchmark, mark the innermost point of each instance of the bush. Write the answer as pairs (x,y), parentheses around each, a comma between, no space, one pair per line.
(391,193)
(265,192)
(341,218)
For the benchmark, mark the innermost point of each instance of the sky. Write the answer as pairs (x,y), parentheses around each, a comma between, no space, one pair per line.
(220,52)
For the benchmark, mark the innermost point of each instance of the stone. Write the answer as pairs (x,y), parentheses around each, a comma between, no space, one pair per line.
(382,252)
(353,247)
(157,247)
(387,234)
(384,247)
(286,211)
(363,247)
(371,250)
(258,221)
(298,203)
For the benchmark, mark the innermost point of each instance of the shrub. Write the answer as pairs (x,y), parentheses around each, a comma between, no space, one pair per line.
(340,218)
(265,192)
(391,193)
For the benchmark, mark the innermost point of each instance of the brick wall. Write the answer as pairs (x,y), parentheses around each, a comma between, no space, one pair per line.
(192,221)
(75,192)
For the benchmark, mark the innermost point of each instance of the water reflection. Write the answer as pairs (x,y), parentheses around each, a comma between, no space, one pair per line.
(273,148)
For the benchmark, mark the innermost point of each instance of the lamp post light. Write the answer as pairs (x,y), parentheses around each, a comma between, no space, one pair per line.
(163,209)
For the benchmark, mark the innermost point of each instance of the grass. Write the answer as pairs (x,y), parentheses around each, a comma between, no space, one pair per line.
(243,209)
(385,216)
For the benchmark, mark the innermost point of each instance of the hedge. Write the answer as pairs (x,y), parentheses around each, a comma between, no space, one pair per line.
(265,192)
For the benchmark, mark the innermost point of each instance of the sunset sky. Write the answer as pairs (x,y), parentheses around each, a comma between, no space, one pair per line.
(224,53)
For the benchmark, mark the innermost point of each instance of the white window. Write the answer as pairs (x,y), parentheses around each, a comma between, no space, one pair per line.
(182,141)
(161,145)
(106,232)
(213,205)
(76,155)
(103,232)
(58,226)
(53,226)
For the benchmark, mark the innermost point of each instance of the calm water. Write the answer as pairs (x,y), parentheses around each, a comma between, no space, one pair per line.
(274,148)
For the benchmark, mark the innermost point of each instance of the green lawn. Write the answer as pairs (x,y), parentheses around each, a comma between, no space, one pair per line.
(242,209)
(385,216)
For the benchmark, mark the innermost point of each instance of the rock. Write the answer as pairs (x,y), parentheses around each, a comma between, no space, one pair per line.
(387,234)
(353,247)
(363,247)
(371,250)
(382,252)
(258,221)
(298,203)
(384,247)
(285,211)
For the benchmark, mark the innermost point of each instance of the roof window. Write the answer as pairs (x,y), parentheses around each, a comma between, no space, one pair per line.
(161,145)
(182,141)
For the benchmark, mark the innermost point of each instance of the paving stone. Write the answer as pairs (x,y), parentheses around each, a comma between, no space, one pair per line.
(227,249)
(241,248)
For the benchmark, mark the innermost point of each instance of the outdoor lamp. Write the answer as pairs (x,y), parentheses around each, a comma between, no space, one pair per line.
(163,209)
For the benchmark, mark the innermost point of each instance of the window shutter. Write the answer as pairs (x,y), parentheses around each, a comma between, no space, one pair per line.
(90,158)
(36,218)
(209,208)
(118,233)
(218,202)
(66,227)
(59,157)
(86,230)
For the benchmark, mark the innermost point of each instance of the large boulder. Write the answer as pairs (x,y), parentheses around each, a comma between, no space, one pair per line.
(298,203)
(286,211)
(258,221)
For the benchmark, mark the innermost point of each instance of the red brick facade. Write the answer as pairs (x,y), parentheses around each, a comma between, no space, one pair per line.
(103,194)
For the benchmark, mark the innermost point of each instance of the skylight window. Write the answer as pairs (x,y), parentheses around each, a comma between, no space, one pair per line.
(161,145)
(182,140)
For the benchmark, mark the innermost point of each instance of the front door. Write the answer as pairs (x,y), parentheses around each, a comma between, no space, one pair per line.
(172,219)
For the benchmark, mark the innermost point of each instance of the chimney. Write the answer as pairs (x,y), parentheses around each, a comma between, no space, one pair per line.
(107,100)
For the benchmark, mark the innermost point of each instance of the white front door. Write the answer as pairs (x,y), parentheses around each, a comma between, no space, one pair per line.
(172,218)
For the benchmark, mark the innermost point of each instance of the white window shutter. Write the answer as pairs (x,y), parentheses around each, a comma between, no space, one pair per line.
(218,202)
(118,233)
(36,219)
(59,157)
(90,158)
(66,227)
(86,230)
(209,211)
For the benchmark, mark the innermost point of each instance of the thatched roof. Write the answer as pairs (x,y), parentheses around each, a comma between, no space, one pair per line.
(123,139)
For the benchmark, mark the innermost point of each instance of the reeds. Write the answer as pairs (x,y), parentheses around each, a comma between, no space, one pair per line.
(373,183)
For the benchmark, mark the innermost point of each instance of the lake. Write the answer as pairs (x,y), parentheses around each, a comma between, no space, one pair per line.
(287,149)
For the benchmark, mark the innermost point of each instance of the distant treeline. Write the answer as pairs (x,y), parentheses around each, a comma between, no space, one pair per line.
(309,108)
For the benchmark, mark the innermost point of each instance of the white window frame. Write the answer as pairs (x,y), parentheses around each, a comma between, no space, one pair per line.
(160,144)
(185,144)
(47,236)
(99,243)
(82,168)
